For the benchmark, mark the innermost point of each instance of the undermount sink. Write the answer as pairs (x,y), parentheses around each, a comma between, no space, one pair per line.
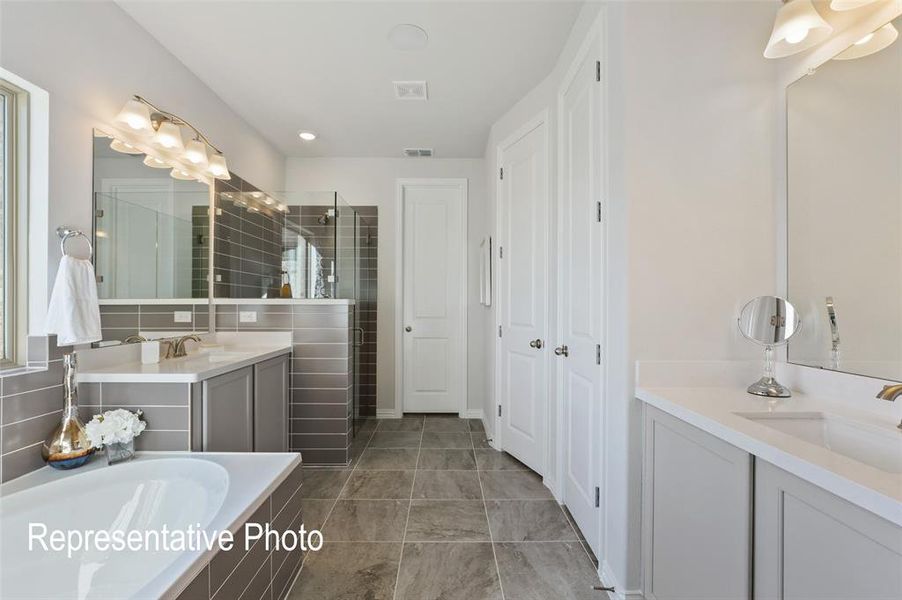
(874,446)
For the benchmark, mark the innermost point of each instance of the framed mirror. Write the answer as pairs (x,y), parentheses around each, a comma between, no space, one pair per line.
(844,210)
(151,230)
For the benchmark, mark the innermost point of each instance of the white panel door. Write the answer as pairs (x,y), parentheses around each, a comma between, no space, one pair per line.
(433,322)
(522,265)
(579,298)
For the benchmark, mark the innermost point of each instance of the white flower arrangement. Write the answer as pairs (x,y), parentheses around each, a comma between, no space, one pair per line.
(114,427)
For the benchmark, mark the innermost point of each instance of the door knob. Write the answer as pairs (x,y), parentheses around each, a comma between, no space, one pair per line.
(537,344)
(408,329)
(562,351)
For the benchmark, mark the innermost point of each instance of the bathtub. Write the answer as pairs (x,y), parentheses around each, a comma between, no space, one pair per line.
(210,492)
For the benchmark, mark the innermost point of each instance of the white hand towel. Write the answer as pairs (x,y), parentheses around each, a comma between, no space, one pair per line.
(74,313)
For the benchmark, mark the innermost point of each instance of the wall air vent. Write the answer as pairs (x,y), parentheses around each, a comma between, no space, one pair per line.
(410,90)
(417,152)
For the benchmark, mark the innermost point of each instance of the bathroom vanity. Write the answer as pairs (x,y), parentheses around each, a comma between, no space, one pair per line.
(748,497)
(228,395)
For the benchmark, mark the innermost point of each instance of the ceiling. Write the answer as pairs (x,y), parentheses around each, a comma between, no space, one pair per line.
(328,67)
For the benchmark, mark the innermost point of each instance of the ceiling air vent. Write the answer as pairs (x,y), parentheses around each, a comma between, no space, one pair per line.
(410,90)
(417,152)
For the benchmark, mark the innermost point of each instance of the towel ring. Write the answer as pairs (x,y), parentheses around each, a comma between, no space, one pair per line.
(65,233)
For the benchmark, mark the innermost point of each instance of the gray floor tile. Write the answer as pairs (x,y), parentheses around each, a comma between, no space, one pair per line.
(476,425)
(349,571)
(378,485)
(513,485)
(492,460)
(323,483)
(395,439)
(528,521)
(479,440)
(438,439)
(448,571)
(539,571)
(388,458)
(366,521)
(403,424)
(447,485)
(447,521)
(314,512)
(446,424)
(444,460)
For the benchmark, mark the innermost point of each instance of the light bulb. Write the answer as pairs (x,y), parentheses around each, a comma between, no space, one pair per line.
(155,163)
(181,174)
(865,39)
(124,148)
(169,136)
(136,115)
(307,136)
(218,167)
(796,35)
(196,153)
(269,201)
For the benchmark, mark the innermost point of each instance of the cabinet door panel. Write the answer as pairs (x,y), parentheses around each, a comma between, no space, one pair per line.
(271,405)
(228,412)
(696,513)
(811,544)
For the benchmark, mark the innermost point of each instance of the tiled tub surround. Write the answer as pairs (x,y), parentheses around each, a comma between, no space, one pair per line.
(320,419)
(235,489)
(31,404)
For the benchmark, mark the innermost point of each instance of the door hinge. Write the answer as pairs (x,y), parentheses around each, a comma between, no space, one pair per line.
(500,251)
(501,173)
(598,211)
(597,70)
(499,331)
(597,354)
(597,497)
(499,410)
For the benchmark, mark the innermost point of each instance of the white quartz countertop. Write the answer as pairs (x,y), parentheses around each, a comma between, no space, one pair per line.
(220,354)
(714,410)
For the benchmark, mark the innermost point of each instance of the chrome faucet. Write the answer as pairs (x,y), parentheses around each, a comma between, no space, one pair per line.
(176,348)
(890,393)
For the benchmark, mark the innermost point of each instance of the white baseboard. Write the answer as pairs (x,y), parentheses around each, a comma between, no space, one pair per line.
(609,580)
(474,413)
(386,413)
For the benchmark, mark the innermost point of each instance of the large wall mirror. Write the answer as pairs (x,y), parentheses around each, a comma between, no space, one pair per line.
(844,152)
(151,230)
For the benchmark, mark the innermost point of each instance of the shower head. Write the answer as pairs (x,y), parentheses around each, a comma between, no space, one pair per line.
(324,219)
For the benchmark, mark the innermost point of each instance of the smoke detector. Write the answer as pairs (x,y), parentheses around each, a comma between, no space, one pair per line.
(418,152)
(410,90)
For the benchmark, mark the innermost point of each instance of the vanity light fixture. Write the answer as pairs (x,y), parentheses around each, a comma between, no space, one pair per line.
(181,174)
(307,136)
(871,43)
(269,201)
(843,5)
(199,159)
(797,27)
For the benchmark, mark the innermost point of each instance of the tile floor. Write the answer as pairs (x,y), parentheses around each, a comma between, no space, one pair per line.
(427,510)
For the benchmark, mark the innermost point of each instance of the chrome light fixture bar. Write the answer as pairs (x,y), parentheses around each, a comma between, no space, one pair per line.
(157,133)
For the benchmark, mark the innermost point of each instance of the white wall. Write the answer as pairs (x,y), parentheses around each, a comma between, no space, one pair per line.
(371,181)
(91,57)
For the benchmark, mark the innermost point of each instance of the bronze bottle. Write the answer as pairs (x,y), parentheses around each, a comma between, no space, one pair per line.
(68,446)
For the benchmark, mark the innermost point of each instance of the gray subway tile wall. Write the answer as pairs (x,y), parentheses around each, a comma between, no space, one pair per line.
(119,321)
(321,372)
(31,404)
(367,308)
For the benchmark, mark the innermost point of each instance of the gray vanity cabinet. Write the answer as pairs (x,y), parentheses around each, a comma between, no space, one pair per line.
(271,405)
(810,543)
(228,412)
(696,513)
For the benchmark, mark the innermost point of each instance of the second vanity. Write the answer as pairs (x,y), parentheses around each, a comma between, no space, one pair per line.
(749,497)
(228,394)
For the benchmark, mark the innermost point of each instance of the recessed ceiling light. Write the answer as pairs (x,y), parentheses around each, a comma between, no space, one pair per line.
(408,37)
(307,136)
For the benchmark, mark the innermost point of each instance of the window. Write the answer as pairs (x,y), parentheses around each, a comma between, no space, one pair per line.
(9,168)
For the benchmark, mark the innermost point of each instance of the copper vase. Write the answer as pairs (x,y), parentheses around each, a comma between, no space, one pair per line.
(68,446)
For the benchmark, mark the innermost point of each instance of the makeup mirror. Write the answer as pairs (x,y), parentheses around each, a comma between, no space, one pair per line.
(769,321)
